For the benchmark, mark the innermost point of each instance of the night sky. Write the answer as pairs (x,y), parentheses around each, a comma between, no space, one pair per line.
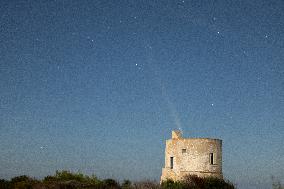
(97,86)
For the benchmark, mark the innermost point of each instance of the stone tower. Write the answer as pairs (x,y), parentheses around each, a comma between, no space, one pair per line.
(196,156)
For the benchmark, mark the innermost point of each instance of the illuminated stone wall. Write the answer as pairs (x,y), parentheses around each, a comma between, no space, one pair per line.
(197,156)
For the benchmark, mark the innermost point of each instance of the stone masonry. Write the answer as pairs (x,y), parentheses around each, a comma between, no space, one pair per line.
(196,156)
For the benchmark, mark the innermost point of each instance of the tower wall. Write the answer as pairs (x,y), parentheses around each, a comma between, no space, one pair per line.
(197,156)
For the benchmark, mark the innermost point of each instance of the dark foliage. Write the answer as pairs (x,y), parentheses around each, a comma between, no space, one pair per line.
(146,185)
(170,184)
(66,176)
(4,184)
(22,182)
(69,180)
(111,184)
(195,182)
(22,178)
(126,184)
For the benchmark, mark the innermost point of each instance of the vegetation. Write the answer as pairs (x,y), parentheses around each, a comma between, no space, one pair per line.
(69,180)
(276,184)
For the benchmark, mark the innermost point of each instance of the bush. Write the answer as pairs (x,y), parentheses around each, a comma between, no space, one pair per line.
(195,182)
(22,178)
(170,184)
(276,184)
(22,182)
(146,185)
(49,179)
(126,184)
(68,180)
(215,183)
(67,176)
(22,185)
(4,184)
(110,183)
(93,180)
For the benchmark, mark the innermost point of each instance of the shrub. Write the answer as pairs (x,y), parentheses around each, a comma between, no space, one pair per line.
(49,179)
(22,185)
(195,182)
(170,184)
(111,183)
(68,180)
(22,182)
(215,183)
(22,178)
(93,180)
(4,184)
(126,184)
(276,184)
(67,176)
(146,185)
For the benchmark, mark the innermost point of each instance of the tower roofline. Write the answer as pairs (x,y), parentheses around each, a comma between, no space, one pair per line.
(198,138)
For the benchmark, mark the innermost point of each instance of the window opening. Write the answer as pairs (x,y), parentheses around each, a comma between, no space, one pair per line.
(211,158)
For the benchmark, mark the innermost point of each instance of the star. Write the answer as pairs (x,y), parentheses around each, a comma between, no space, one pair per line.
(139,67)
(212,104)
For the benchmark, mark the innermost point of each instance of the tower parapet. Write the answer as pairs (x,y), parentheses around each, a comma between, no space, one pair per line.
(177,134)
